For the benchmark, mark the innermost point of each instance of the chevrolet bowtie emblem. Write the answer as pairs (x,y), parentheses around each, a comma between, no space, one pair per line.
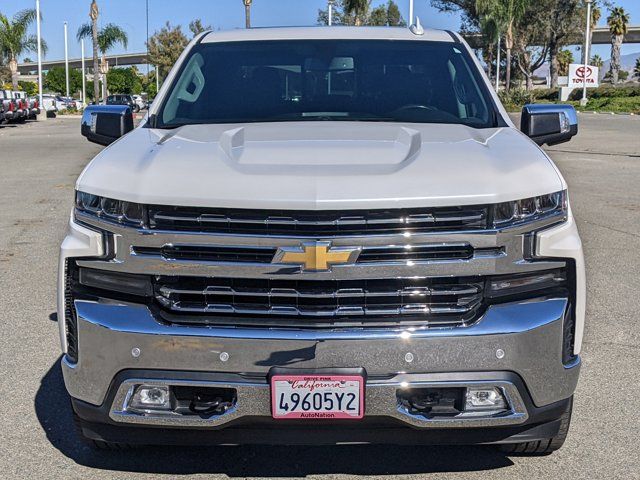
(316,256)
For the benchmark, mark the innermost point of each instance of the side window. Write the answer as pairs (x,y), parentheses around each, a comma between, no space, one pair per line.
(468,97)
(188,88)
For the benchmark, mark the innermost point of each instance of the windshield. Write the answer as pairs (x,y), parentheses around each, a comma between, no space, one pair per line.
(348,80)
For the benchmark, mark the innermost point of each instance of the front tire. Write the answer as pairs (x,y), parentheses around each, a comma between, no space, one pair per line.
(546,446)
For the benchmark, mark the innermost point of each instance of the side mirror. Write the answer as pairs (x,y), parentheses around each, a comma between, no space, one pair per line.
(550,124)
(104,124)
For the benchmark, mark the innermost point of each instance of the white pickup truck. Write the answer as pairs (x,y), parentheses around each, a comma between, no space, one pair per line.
(323,235)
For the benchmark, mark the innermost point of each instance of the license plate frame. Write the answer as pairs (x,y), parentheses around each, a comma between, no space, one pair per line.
(314,382)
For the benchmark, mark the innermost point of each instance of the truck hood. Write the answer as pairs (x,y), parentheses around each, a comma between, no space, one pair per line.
(321,165)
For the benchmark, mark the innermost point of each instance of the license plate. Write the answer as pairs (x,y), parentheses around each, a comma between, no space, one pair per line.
(317,396)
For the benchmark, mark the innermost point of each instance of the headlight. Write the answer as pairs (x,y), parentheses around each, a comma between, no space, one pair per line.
(530,209)
(126,213)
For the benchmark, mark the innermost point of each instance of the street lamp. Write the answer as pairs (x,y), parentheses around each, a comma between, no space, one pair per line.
(583,100)
(410,12)
(42,108)
(247,13)
(66,59)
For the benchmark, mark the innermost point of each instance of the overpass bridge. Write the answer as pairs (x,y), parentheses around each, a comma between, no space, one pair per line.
(601,36)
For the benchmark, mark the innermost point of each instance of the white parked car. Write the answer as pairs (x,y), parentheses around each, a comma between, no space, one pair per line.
(324,235)
(139,101)
(49,104)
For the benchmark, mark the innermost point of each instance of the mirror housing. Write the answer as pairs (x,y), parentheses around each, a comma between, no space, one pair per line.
(104,124)
(549,124)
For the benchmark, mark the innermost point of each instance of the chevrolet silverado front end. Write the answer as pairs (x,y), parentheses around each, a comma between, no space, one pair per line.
(324,236)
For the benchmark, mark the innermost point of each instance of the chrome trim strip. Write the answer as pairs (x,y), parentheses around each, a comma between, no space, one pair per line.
(253,399)
(496,252)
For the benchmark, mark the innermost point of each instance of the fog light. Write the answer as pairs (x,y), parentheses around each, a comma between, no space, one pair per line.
(483,399)
(151,397)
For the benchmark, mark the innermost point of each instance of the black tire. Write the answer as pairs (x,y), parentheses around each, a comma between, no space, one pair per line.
(98,444)
(542,447)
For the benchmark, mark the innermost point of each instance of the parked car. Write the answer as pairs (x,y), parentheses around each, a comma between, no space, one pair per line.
(139,101)
(49,104)
(120,99)
(7,106)
(65,103)
(335,235)
(20,108)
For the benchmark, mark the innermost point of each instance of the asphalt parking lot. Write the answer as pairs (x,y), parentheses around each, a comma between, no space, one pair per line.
(39,163)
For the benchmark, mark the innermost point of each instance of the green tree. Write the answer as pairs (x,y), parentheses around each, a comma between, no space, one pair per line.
(531,42)
(104,39)
(165,46)
(197,28)
(636,69)
(351,12)
(30,87)
(14,40)
(597,61)
(124,80)
(386,15)
(507,13)
(565,58)
(618,21)
(55,80)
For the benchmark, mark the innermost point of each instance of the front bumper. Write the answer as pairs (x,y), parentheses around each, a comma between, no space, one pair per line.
(117,337)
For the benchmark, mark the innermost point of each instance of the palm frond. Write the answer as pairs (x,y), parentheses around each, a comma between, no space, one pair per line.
(84,31)
(110,35)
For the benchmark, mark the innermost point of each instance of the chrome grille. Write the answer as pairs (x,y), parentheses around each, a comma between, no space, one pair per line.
(320,223)
(430,302)
(255,254)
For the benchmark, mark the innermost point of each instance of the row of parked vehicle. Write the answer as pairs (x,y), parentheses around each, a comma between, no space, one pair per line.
(16,106)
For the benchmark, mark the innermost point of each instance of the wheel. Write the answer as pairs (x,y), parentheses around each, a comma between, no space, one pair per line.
(97,444)
(543,447)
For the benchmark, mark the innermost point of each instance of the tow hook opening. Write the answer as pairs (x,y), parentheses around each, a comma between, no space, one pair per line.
(453,402)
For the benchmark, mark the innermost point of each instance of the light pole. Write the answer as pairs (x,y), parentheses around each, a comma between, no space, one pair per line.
(247,13)
(66,59)
(583,100)
(330,12)
(147,40)
(38,35)
(84,80)
(410,12)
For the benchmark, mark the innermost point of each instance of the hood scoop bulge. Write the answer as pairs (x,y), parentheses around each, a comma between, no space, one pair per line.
(338,147)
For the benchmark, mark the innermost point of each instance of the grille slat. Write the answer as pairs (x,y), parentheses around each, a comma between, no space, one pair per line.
(321,223)
(244,254)
(440,301)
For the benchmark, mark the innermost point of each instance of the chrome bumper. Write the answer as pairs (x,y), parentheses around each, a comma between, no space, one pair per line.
(114,337)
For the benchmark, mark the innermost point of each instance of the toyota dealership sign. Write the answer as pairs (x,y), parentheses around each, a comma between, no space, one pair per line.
(580,74)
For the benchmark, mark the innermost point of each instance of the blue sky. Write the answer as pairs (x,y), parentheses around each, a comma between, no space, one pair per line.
(224,14)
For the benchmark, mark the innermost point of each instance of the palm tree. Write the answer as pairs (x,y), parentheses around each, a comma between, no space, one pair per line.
(636,69)
(491,31)
(93,14)
(247,13)
(14,40)
(565,58)
(508,13)
(618,22)
(597,61)
(104,39)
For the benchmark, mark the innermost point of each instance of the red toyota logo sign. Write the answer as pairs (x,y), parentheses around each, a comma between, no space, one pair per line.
(580,72)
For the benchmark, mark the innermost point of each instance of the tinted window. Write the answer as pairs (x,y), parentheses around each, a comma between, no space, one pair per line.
(406,81)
